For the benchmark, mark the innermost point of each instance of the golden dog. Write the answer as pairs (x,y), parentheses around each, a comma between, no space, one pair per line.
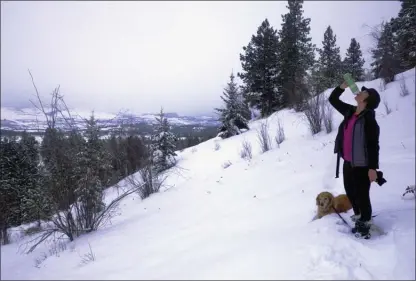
(327,204)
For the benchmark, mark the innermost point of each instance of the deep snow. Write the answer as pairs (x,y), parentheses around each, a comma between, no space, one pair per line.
(252,220)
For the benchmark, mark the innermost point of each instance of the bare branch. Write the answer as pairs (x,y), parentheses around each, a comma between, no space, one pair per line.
(38,97)
(39,239)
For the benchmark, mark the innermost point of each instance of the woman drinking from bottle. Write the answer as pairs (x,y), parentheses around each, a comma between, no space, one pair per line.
(357,142)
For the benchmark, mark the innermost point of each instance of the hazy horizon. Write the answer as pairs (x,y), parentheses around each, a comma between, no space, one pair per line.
(108,56)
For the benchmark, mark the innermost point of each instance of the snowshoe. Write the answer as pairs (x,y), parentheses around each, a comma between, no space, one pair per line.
(362,229)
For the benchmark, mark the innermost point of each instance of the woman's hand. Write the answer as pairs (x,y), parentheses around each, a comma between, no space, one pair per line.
(344,85)
(372,175)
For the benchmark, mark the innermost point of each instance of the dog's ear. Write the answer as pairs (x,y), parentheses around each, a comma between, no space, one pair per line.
(331,200)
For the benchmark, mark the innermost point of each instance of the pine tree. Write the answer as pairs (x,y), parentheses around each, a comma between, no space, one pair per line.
(235,113)
(405,28)
(330,60)
(136,153)
(35,204)
(163,144)
(10,189)
(296,56)
(353,62)
(386,63)
(260,70)
(94,162)
(316,80)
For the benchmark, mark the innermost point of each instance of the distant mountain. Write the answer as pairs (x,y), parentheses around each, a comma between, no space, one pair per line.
(29,119)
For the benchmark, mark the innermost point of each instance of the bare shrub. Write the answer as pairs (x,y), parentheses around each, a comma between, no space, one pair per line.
(33,230)
(280,136)
(264,137)
(313,113)
(245,152)
(382,85)
(404,91)
(226,164)
(151,179)
(88,257)
(386,106)
(65,223)
(40,260)
(327,116)
(72,247)
(193,150)
(151,182)
(217,146)
(57,247)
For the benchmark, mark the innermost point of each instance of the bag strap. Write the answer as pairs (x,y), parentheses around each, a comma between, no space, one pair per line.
(337,168)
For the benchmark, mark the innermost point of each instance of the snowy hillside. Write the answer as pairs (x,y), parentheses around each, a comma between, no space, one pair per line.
(251,220)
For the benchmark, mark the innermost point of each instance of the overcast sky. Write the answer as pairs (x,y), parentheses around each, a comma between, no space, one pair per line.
(141,55)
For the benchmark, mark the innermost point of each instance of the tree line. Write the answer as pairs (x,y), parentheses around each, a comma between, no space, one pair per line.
(61,180)
(280,68)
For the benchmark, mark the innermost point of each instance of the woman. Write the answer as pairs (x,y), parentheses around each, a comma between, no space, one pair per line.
(357,142)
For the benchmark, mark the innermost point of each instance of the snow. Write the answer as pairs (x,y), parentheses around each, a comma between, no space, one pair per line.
(252,220)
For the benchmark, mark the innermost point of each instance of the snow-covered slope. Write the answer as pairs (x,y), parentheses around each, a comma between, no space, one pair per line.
(252,220)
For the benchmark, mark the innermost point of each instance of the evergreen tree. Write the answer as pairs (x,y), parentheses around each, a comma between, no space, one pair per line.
(235,113)
(405,28)
(330,60)
(163,144)
(260,70)
(35,204)
(296,56)
(136,153)
(94,162)
(59,155)
(354,62)
(386,63)
(10,189)
(316,80)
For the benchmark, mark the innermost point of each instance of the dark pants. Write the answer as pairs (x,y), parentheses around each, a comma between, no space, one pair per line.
(357,186)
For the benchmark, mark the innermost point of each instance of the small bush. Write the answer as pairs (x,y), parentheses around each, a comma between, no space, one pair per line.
(327,116)
(33,230)
(245,152)
(40,260)
(88,257)
(382,85)
(57,247)
(313,114)
(226,164)
(387,107)
(280,136)
(193,150)
(404,91)
(264,137)
(217,146)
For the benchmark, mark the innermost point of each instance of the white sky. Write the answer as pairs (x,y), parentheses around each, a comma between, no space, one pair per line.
(141,55)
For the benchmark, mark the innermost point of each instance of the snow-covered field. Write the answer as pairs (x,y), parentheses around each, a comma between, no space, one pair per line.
(252,220)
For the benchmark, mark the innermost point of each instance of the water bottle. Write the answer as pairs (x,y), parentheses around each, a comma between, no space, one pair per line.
(351,83)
